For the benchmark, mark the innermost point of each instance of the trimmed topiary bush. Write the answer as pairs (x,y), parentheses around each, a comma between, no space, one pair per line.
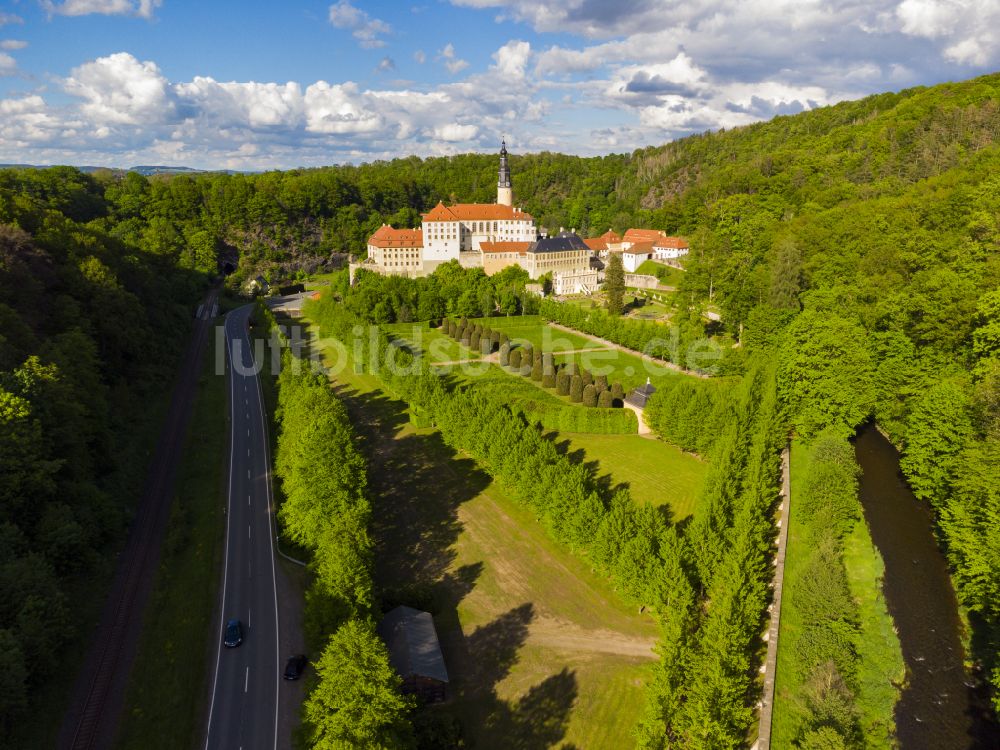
(562,382)
(605,400)
(536,370)
(576,389)
(601,383)
(515,359)
(588,378)
(618,392)
(504,355)
(548,377)
(589,395)
(474,340)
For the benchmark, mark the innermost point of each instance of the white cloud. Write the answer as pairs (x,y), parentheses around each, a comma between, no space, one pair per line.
(252,104)
(454,132)
(12,44)
(420,56)
(363,27)
(512,59)
(385,65)
(453,63)
(9,18)
(120,90)
(142,8)
(968,29)
(339,109)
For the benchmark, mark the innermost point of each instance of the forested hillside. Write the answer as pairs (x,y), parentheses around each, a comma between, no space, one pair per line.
(90,329)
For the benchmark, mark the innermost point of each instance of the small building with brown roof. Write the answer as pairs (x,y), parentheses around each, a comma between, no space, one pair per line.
(415,653)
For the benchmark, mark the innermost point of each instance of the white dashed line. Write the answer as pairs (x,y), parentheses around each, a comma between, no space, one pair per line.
(246,680)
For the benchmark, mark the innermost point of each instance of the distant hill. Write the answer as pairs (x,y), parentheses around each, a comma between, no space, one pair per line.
(144,169)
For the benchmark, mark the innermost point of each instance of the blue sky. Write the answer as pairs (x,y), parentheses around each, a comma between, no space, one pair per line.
(259,85)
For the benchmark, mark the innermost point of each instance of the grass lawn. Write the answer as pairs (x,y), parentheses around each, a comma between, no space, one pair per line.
(540,650)
(881,664)
(881,659)
(166,690)
(657,473)
(668,275)
(435,344)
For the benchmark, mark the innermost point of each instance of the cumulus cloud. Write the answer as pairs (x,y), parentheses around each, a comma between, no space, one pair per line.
(512,59)
(140,8)
(9,18)
(451,61)
(120,90)
(454,132)
(968,29)
(363,27)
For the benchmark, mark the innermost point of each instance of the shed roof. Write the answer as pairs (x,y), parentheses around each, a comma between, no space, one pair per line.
(413,643)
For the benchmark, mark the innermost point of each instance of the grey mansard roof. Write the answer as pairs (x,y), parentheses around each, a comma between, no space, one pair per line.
(558,244)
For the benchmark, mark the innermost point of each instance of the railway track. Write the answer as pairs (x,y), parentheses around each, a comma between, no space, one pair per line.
(99,694)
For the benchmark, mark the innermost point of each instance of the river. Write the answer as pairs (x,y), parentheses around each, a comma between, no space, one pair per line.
(938,709)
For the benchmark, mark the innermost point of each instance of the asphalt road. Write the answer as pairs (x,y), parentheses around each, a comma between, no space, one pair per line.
(246,682)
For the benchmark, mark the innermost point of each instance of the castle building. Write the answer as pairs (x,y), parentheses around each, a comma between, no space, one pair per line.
(491,236)
(494,236)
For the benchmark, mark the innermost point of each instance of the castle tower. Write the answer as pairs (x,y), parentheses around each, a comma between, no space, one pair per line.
(505,194)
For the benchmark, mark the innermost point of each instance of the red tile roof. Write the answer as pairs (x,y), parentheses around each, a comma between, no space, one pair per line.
(640,247)
(596,243)
(611,237)
(673,243)
(520,248)
(386,237)
(643,235)
(475,212)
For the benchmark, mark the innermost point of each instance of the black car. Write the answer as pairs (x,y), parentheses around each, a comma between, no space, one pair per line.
(294,666)
(234,634)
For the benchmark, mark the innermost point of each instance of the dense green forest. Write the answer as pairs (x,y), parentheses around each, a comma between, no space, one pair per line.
(90,331)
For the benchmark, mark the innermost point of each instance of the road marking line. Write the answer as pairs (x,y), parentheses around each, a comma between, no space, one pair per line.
(246,680)
(248,473)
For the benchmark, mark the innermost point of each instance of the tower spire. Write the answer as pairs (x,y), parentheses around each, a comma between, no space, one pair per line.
(505,195)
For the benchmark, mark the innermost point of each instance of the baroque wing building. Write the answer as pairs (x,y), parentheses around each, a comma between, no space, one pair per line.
(493,236)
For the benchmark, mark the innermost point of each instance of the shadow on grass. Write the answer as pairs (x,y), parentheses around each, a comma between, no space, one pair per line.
(536,720)
(605,485)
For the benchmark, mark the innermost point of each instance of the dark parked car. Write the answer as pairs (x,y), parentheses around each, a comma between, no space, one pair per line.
(294,666)
(234,634)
